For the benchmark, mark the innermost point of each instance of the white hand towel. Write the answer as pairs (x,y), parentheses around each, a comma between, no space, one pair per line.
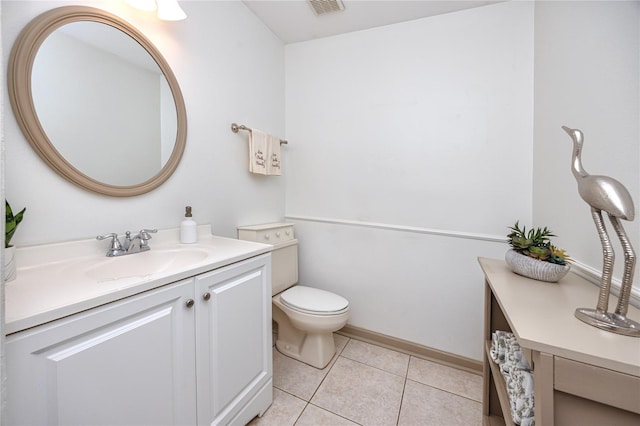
(258,152)
(274,166)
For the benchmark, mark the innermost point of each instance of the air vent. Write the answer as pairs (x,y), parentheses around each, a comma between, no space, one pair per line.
(322,7)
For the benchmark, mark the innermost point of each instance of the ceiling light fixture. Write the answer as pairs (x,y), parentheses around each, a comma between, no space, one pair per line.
(168,10)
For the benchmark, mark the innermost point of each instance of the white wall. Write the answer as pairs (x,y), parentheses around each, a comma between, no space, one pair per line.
(587,76)
(423,128)
(230,68)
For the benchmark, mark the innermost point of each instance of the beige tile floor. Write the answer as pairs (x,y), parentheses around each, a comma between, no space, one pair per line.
(365,384)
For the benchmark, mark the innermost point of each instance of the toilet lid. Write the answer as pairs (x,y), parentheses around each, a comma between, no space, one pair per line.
(313,300)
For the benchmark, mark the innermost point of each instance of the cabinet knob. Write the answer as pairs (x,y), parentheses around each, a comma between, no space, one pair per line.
(190,303)
(277,235)
(267,236)
(206,296)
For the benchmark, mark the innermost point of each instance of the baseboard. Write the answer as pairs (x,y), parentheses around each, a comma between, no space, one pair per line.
(410,348)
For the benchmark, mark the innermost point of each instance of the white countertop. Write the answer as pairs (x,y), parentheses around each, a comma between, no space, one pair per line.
(52,282)
(541,315)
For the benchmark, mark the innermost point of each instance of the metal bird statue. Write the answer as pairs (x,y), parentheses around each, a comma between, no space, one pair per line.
(605,194)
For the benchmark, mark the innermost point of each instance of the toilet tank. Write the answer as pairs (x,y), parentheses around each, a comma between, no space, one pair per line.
(284,257)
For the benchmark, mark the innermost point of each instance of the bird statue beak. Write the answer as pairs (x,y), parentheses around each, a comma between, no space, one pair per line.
(575,134)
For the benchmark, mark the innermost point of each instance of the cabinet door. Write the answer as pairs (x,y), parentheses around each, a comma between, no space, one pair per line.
(126,363)
(233,343)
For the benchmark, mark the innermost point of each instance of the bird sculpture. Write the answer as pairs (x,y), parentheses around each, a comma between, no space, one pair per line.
(606,194)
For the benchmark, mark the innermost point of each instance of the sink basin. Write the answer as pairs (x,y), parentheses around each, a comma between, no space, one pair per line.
(142,264)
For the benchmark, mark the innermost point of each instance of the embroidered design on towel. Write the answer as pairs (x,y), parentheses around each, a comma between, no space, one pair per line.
(275,161)
(259,158)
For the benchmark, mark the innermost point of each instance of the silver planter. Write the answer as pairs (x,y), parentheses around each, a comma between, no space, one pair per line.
(534,268)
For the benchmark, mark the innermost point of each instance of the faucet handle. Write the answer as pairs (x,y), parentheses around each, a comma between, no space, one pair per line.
(116,248)
(115,242)
(144,233)
(144,237)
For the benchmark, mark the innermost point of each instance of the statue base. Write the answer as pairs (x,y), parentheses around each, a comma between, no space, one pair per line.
(612,322)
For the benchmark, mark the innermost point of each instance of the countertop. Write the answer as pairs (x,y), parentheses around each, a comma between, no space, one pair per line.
(541,315)
(51,282)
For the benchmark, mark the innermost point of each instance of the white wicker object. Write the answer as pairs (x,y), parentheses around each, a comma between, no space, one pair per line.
(534,268)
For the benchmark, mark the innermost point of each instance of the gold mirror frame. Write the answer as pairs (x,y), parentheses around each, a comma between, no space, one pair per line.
(21,62)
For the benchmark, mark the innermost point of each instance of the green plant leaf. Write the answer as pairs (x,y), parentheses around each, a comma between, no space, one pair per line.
(535,243)
(11,223)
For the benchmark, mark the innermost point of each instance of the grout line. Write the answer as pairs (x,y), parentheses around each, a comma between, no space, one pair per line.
(404,388)
(445,390)
(289,393)
(336,414)
(296,397)
(301,413)
(373,366)
(337,355)
(373,340)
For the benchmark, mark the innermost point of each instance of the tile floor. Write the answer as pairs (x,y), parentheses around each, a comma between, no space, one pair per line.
(365,384)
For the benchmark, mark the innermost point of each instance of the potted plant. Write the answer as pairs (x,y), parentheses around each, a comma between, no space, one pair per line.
(533,255)
(10,225)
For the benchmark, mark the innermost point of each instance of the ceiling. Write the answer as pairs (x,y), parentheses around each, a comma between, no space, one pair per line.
(294,20)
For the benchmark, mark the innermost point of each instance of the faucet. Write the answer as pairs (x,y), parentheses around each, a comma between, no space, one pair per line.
(138,242)
(132,244)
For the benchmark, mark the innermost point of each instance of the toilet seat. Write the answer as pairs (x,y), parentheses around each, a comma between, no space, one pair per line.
(313,301)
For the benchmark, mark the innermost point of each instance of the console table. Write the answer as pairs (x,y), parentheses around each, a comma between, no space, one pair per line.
(583,375)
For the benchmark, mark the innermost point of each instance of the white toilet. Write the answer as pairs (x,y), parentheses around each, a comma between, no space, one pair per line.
(306,316)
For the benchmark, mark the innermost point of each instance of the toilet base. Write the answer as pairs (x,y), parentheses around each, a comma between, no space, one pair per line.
(317,350)
(314,349)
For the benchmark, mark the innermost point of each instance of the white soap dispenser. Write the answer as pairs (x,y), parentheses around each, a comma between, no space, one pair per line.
(188,228)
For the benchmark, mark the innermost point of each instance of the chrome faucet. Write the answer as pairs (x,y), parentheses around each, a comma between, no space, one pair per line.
(138,242)
(132,244)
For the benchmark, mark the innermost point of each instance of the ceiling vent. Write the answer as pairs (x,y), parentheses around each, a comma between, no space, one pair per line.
(322,7)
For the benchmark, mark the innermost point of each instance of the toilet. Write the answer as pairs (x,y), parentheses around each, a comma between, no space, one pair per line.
(306,316)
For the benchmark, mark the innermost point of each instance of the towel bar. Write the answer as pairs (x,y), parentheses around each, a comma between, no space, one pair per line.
(235,127)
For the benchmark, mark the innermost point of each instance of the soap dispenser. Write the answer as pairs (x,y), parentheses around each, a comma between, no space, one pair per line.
(188,228)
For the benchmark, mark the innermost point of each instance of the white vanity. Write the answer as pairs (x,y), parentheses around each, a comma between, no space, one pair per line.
(96,340)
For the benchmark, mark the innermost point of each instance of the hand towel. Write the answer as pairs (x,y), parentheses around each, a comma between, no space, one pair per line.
(258,147)
(274,166)
(264,154)
(516,371)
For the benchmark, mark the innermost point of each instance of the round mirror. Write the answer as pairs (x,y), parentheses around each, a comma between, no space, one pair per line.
(97,101)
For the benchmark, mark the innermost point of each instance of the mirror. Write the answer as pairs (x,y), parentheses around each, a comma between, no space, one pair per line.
(97,101)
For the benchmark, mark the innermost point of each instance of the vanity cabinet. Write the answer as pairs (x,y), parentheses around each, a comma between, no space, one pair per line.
(130,362)
(233,343)
(582,375)
(197,351)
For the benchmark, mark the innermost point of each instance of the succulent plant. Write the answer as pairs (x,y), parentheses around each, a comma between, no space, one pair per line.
(536,243)
(11,223)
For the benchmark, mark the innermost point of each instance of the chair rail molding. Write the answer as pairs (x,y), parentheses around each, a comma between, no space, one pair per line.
(585,271)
